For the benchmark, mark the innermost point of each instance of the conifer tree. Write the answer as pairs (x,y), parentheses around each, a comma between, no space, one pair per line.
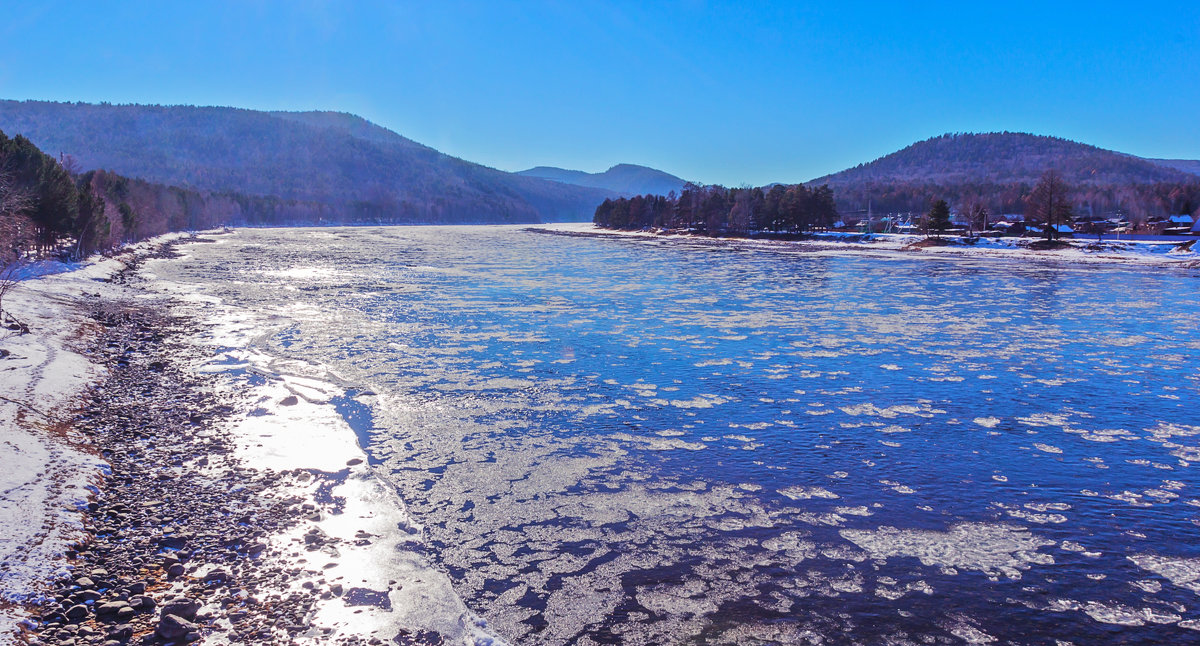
(939,217)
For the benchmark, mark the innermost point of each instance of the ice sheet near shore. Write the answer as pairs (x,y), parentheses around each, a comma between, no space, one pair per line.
(291,421)
(46,472)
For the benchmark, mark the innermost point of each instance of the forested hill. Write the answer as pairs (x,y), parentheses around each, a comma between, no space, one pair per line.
(312,166)
(625,179)
(999,169)
(1005,157)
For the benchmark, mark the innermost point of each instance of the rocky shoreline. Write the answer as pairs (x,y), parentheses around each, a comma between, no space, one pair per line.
(179,530)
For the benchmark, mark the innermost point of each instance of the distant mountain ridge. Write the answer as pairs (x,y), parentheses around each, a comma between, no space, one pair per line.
(999,169)
(318,166)
(625,179)
(1001,157)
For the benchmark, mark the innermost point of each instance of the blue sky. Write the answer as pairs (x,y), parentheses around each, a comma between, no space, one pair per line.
(731,93)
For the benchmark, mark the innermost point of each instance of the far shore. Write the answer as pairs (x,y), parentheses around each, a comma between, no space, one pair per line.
(1157,251)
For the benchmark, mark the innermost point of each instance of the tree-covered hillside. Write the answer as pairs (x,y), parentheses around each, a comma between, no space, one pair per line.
(1000,169)
(1004,157)
(718,211)
(321,166)
(48,208)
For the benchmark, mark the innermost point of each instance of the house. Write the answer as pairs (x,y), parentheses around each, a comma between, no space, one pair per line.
(1179,225)
(1011,227)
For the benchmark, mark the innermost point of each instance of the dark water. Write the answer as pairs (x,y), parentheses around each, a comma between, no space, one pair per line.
(624,441)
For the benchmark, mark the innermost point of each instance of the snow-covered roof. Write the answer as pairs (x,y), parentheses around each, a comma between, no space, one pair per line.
(1182,219)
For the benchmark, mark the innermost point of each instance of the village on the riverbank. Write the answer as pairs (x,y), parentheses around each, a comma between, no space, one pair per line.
(1049,209)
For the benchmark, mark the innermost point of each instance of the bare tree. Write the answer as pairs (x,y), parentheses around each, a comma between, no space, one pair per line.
(977,217)
(9,276)
(16,229)
(1049,203)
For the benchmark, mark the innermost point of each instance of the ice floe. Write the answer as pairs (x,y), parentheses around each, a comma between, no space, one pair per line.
(994,549)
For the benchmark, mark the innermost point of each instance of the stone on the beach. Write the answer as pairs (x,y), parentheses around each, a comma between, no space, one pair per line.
(120,633)
(84,596)
(111,608)
(181,607)
(172,627)
(76,613)
(216,575)
(173,542)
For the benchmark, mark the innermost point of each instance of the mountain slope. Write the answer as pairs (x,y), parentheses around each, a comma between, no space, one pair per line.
(1006,157)
(999,170)
(338,165)
(626,179)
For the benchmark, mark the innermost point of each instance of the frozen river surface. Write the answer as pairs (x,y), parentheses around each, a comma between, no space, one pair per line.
(625,441)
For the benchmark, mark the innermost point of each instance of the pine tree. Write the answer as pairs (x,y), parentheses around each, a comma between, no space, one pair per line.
(939,217)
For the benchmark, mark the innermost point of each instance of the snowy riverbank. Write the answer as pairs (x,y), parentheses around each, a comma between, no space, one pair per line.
(1083,251)
(49,470)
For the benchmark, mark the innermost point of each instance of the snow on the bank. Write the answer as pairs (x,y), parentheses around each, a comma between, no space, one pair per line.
(46,471)
(1083,251)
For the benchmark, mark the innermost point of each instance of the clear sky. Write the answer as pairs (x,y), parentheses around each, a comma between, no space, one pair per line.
(730,93)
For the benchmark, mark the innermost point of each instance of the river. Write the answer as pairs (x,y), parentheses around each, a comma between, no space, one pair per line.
(620,440)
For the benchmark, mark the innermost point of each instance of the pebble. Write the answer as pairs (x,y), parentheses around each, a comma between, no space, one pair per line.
(77,613)
(171,627)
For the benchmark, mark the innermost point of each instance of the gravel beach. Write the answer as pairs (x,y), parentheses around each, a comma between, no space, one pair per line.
(182,541)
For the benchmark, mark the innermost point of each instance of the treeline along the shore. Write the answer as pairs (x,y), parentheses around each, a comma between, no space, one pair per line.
(1136,202)
(48,207)
(720,210)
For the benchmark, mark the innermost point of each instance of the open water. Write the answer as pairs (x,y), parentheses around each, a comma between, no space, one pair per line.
(630,441)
